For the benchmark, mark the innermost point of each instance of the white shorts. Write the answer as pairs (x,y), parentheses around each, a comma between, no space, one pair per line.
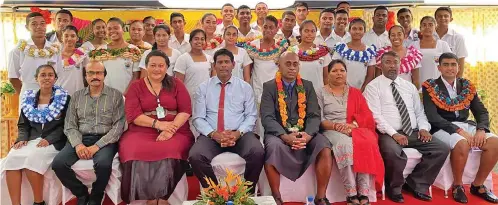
(453,139)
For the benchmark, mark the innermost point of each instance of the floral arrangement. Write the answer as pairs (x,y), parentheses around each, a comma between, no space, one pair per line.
(301,99)
(143,47)
(442,101)
(44,13)
(264,54)
(33,51)
(408,63)
(76,58)
(48,113)
(230,188)
(312,54)
(352,55)
(7,88)
(110,54)
(213,43)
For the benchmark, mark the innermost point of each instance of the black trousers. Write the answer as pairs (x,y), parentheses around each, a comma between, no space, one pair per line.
(205,149)
(434,154)
(102,164)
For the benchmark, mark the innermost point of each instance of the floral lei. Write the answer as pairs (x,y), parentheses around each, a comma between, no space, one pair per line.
(263,54)
(460,102)
(76,58)
(301,99)
(48,113)
(110,54)
(241,41)
(408,63)
(312,54)
(352,55)
(213,43)
(32,51)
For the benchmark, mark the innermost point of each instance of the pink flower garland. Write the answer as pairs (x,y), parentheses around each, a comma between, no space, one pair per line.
(77,56)
(408,62)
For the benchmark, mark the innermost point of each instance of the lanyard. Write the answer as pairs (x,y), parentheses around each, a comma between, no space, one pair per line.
(157,96)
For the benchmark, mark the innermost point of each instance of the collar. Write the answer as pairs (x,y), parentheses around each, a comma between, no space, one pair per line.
(218,81)
(450,32)
(32,43)
(448,84)
(185,38)
(372,32)
(251,32)
(105,91)
(294,34)
(286,84)
(255,26)
(412,34)
(335,36)
(318,34)
(396,81)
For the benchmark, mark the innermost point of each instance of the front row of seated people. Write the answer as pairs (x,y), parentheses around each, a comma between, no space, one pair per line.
(363,133)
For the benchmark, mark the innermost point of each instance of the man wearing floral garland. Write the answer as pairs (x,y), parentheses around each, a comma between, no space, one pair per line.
(451,125)
(291,118)
(31,53)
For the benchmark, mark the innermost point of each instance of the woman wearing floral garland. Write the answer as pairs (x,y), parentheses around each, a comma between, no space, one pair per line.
(359,58)
(119,57)
(349,125)
(162,33)
(137,32)
(41,136)
(314,58)
(213,41)
(99,33)
(410,63)
(431,49)
(71,76)
(242,60)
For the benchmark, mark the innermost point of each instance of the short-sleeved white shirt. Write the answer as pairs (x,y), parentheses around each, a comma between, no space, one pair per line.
(195,72)
(357,71)
(456,42)
(380,41)
(263,71)
(332,39)
(120,71)
(183,46)
(71,77)
(430,60)
(313,70)
(252,34)
(172,60)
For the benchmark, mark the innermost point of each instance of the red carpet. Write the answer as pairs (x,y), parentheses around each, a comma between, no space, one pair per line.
(437,195)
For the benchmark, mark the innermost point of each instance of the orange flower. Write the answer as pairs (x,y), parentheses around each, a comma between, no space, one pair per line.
(283,106)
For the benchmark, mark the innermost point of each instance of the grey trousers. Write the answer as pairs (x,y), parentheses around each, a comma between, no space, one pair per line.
(434,154)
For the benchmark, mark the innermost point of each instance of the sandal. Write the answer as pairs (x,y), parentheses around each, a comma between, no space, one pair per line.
(364,198)
(350,200)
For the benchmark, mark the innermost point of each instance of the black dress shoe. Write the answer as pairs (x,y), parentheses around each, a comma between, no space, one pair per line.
(398,198)
(416,194)
(41,203)
(350,200)
(83,200)
(322,201)
(459,194)
(487,195)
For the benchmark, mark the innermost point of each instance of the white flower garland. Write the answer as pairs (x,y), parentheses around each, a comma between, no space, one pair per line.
(32,51)
(47,114)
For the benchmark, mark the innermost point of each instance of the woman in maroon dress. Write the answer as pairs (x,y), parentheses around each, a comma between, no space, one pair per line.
(154,149)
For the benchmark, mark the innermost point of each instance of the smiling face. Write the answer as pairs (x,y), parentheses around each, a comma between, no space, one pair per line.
(390,66)
(227,12)
(261,10)
(341,22)
(46,77)
(149,25)
(405,19)
(443,18)
(337,75)
(69,38)
(61,21)
(156,68)
(448,68)
(223,66)
(301,13)
(230,36)
(326,20)
(357,31)
(37,27)
(137,31)
(396,35)
(244,16)
(99,29)
(427,27)
(161,37)
(209,24)
(198,41)
(308,33)
(178,24)
(114,31)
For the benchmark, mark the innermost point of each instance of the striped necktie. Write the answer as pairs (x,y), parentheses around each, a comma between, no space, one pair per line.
(405,117)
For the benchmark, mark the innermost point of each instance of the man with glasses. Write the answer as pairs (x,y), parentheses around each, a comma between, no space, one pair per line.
(93,125)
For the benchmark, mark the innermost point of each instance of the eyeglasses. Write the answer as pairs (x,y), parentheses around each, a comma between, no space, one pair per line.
(91,73)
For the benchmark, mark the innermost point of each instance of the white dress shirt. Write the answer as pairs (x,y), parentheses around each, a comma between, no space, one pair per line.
(456,42)
(380,41)
(120,71)
(452,90)
(296,29)
(383,105)
(412,37)
(183,46)
(332,39)
(251,34)
(255,26)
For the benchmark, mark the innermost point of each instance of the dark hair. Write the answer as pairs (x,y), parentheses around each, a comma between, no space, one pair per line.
(378,8)
(223,52)
(116,19)
(290,13)
(136,21)
(299,4)
(148,18)
(447,55)
(44,66)
(243,7)
(443,8)
(307,21)
(168,81)
(70,27)
(272,19)
(342,2)
(427,17)
(358,20)
(396,26)
(261,3)
(96,21)
(157,28)
(194,33)
(403,10)
(176,14)
(31,15)
(206,15)
(327,10)
(337,61)
(341,11)
(389,53)
(231,26)
(64,11)
(227,4)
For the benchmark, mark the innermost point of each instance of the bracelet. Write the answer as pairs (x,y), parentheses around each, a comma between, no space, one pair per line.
(154,123)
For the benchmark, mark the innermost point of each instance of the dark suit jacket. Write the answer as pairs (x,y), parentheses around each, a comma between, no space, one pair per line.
(270,114)
(52,131)
(441,119)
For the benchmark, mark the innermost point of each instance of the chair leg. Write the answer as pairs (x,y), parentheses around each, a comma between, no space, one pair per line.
(383,192)
(445,194)
(430,191)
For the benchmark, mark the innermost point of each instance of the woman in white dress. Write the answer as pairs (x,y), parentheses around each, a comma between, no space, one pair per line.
(99,33)
(213,41)
(314,58)
(162,33)
(431,49)
(71,76)
(410,62)
(41,136)
(242,60)
(359,58)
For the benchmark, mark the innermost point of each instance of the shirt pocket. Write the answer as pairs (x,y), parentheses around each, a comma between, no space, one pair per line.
(105,116)
(236,104)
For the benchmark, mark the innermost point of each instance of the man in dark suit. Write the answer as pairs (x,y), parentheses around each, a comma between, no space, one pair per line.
(450,124)
(290,115)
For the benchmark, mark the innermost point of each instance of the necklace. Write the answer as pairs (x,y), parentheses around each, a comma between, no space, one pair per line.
(339,99)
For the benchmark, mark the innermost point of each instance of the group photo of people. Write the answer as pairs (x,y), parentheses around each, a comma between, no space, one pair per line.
(340,92)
